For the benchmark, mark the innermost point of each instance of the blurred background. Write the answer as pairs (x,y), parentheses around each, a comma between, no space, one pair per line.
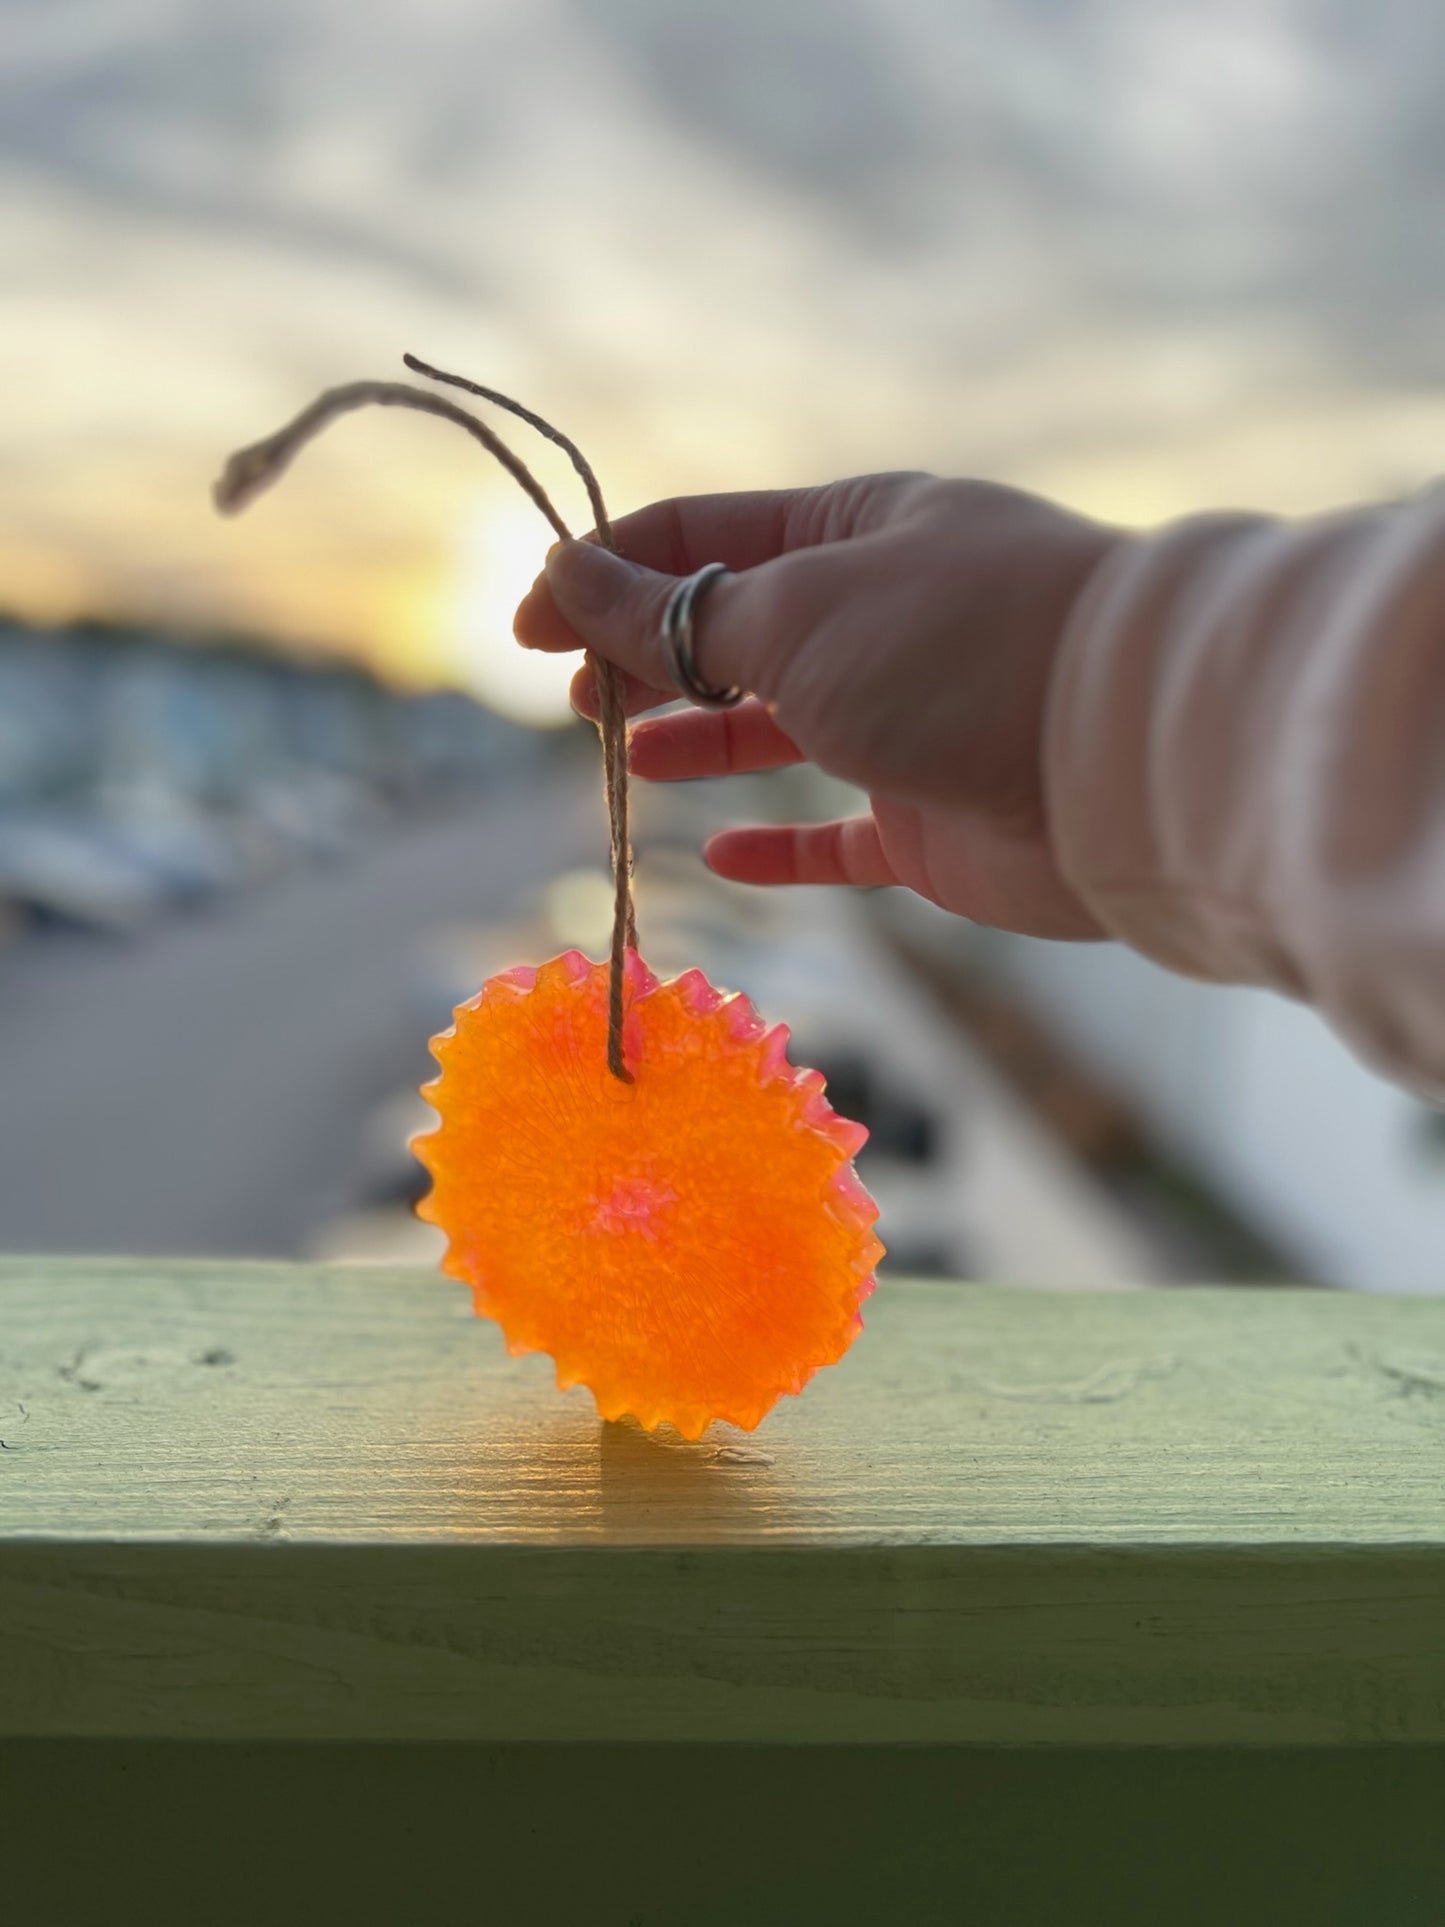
(276,793)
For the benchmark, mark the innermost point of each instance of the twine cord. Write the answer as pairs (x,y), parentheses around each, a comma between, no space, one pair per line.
(252,470)
(611,696)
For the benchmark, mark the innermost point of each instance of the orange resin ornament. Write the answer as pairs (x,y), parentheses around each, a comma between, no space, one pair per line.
(690,1245)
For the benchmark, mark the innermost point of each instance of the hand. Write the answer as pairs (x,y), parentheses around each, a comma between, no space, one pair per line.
(896,630)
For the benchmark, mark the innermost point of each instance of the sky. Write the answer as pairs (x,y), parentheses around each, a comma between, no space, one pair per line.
(1147,256)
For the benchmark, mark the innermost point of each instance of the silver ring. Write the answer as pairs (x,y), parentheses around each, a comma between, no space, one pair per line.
(678,642)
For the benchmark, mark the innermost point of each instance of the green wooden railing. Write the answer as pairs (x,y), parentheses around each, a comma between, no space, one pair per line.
(1138,1596)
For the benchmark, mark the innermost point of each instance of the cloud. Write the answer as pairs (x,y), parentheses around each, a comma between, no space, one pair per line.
(1136,250)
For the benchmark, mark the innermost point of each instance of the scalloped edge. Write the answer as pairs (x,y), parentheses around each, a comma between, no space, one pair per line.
(844,1196)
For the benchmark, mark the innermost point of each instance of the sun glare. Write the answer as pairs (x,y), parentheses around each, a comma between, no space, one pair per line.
(501,550)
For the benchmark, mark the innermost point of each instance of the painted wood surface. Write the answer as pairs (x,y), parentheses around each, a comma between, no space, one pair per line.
(96,1833)
(273,1502)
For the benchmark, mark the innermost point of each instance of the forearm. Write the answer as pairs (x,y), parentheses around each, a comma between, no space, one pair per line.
(1245,763)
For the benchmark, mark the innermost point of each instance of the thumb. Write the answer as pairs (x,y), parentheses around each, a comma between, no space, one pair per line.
(615,607)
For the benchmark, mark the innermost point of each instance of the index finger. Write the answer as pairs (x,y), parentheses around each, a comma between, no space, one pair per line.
(740,530)
(678,535)
(750,526)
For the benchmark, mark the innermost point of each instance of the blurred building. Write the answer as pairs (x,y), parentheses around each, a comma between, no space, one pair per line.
(140,771)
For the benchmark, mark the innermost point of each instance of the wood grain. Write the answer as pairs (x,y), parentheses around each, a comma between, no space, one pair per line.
(285,1502)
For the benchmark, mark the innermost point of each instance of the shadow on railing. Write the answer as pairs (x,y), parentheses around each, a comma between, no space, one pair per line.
(581,1477)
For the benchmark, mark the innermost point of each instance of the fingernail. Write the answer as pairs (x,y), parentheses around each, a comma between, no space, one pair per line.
(587,580)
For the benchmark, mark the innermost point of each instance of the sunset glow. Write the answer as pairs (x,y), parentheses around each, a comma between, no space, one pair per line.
(500,549)
(970,249)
